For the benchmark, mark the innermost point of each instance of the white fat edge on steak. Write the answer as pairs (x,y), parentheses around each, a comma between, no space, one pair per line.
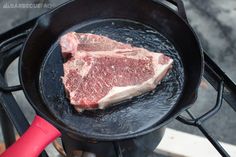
(117,94)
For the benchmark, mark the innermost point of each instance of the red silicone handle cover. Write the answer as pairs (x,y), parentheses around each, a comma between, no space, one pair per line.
(34,140)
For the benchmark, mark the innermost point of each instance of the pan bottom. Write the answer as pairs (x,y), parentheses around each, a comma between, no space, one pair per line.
(128,117)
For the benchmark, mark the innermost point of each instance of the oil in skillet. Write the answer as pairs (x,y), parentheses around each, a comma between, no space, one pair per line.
(153,105)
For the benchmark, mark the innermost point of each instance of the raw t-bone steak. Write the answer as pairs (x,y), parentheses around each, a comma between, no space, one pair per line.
(99,71)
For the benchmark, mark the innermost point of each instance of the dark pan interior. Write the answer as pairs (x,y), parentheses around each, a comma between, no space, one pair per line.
(127,117)
(38,54)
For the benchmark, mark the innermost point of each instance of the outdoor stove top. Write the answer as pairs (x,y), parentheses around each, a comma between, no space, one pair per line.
(10,46)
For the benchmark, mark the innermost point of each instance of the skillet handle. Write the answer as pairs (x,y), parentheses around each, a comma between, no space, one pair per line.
(34,140)
(180,6)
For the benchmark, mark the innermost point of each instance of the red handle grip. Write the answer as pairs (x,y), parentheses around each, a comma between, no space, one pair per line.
(34,140)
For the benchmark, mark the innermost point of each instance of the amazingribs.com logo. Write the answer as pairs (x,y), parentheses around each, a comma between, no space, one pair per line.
(28,5)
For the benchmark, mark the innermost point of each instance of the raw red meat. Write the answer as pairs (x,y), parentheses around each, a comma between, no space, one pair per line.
(100,71)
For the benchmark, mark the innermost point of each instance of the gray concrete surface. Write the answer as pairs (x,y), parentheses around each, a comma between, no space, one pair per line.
(215,23)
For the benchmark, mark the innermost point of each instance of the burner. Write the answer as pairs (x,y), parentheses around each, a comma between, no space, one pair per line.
(138,147)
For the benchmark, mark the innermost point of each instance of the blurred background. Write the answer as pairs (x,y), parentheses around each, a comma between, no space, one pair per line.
(214,21)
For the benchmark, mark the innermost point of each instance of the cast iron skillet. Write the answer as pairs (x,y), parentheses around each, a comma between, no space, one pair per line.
(136,21)
(142,23)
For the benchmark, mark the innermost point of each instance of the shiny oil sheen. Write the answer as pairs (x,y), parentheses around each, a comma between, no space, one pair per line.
(130,116)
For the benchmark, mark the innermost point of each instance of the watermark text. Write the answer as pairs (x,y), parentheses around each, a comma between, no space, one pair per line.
(28,5)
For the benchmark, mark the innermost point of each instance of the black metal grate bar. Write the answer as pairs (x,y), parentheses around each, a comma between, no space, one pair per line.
(214,75)
(10,111)
(14,115)
(17,30)
(7,130)
(198,122)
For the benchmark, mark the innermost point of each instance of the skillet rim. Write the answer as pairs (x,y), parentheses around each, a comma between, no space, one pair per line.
(156,126)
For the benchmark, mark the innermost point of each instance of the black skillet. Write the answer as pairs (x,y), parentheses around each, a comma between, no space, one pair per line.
(142,23)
